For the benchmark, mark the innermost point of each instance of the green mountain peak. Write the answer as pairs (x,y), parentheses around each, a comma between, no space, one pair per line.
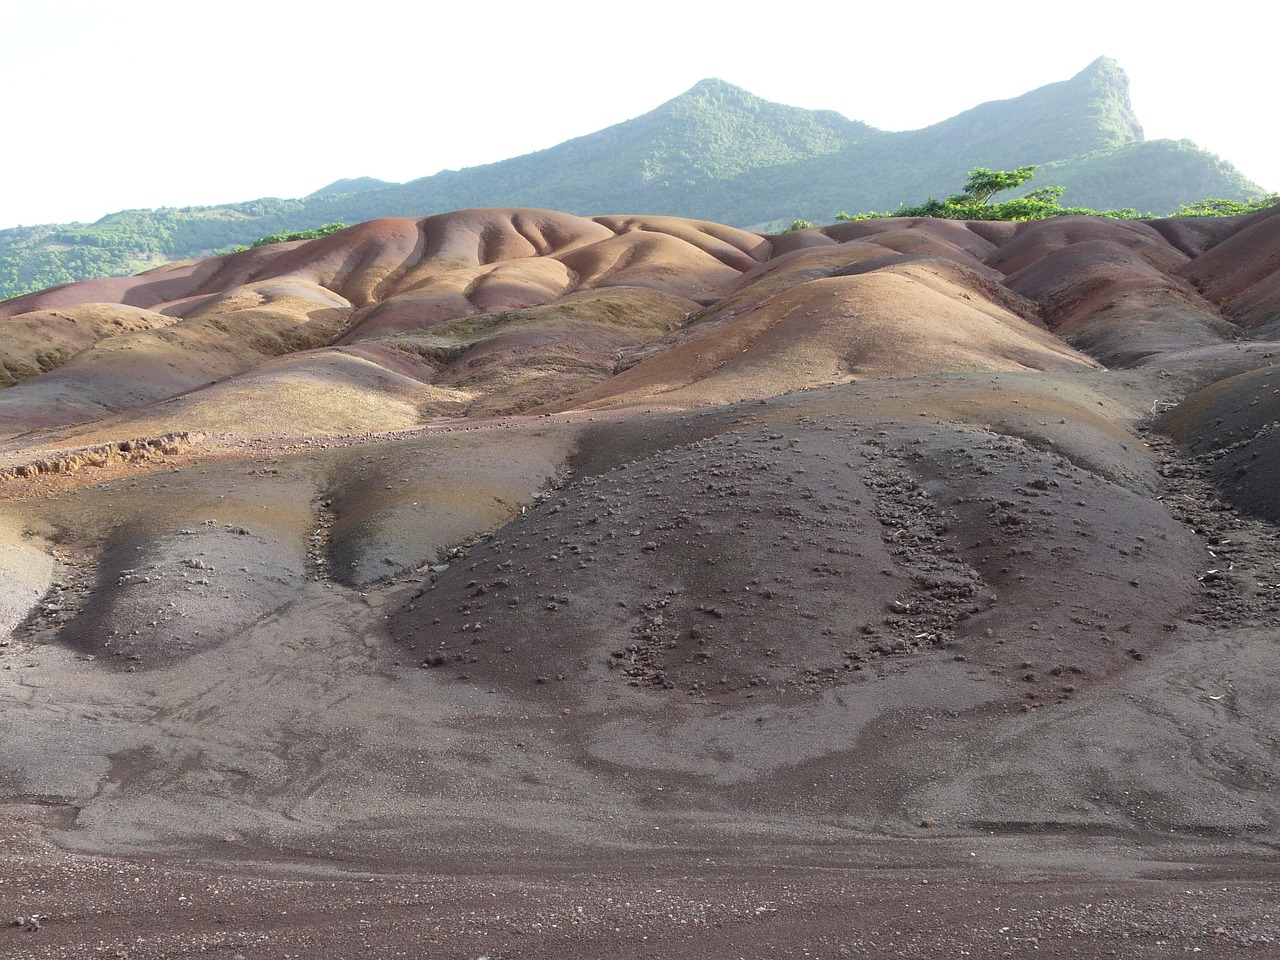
(715,152)
(713,87)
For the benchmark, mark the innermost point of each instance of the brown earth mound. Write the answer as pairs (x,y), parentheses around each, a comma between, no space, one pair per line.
(893,322)
(1241,274)
(511,543)
(1233,429)
(35,343)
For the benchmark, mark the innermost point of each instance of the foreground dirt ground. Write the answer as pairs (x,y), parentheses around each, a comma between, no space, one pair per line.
(868,897)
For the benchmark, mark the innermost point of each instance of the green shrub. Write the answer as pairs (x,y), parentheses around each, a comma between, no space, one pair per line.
(288,235)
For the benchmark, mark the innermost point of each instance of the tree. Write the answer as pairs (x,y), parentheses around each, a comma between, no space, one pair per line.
(983,184)
(1227,208)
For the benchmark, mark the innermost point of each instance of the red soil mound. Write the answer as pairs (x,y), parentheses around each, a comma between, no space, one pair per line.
(948,239)
(1037,239)
(836,329)
(1110,288)
(1241,273)
(892,306)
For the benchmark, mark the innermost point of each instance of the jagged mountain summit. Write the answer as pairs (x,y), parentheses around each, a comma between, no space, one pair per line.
(716,152)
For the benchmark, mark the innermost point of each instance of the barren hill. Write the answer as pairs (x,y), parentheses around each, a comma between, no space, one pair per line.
(511,543)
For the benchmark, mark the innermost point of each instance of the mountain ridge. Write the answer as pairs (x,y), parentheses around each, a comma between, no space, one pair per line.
(715,152)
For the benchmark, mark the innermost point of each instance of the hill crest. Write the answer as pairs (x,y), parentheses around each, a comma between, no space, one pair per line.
(715,152)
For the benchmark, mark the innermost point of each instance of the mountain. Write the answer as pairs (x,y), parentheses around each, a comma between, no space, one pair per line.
(714,133)
(513,583)
(1145,175)
(715,152)
(1089,112)
(351,185)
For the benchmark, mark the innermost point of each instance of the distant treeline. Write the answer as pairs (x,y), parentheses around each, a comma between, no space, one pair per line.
(974,202)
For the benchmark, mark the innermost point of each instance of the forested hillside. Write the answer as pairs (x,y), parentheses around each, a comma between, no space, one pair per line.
(716,152)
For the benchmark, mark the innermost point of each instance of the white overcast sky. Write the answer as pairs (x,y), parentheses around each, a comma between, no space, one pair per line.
(143,103)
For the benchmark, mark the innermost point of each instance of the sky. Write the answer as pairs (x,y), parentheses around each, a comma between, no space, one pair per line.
(141,103)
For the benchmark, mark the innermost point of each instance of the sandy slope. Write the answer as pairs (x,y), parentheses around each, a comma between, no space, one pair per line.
(513,542)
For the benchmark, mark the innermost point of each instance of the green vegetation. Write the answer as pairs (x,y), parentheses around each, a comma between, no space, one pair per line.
(32,258)
(1227,208)
(715,153)
(1156,175)
(982,184)
(974,202)
(287,235)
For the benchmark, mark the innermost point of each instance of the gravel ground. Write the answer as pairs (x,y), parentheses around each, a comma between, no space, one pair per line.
(897,900)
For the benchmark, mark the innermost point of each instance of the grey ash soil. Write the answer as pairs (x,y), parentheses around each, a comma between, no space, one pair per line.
(896,545)
(927,648)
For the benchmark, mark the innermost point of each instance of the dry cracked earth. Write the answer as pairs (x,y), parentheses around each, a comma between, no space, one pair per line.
(513,584)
